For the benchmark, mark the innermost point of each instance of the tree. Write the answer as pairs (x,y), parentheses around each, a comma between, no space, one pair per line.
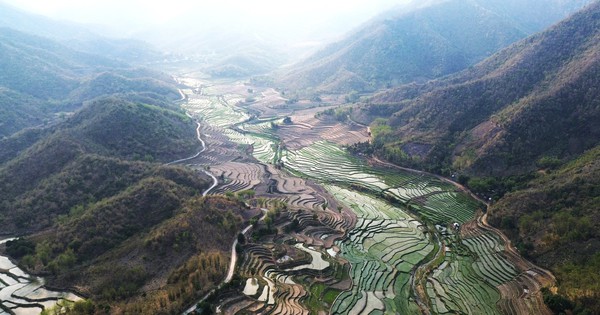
(352,97)
(241,238)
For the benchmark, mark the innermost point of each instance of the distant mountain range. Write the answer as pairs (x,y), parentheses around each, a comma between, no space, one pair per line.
(44,68)
(421,42)
(41,78)
(76,36)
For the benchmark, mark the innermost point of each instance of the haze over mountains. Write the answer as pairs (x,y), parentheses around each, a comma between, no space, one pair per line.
(501,96)
(45,78)
(422,42)
(76,36)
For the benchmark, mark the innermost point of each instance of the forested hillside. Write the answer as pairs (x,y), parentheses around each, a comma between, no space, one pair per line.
(421,42)
(82,176)
(90,194)
(536,99)
(85,155)
(555,220)
(18,111)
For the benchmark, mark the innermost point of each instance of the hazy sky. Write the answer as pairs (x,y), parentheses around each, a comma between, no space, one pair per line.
(297,26)
(145,12)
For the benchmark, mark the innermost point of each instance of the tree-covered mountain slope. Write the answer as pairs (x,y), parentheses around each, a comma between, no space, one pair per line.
(420,42)
(92,155)
(555,220)
(91,194)
(41,80)
(43,68)
(156,257)
(125,82)
(535,99)
(19,111)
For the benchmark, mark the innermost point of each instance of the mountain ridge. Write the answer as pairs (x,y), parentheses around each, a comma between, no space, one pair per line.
(479,106)
(419,44)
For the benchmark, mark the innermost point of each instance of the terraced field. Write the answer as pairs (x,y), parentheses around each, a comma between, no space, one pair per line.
(475,272)
(219,112)
(383,248)
(21,293)
(461,283)
(279,276)
(355,237)
(238,176)
(426,195)
(214,110)
(266,126)
(329,163)
(306,129)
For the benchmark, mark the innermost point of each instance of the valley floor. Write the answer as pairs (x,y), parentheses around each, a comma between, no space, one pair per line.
(343,235)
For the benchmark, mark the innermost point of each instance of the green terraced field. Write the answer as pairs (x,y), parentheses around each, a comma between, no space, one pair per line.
(447,206)
(383,248)
(263,127)
(430,197)
(329,163)
(387,243)
(466,281)
(215,111)
(457,288)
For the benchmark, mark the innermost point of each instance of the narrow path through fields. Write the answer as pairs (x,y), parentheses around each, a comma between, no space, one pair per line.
(234,252)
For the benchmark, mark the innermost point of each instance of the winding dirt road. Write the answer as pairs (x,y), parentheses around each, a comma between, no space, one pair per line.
(234,252)
(195,155)
(231,270)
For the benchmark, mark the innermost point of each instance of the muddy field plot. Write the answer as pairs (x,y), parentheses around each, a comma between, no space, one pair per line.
(305,130)
(238,176)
